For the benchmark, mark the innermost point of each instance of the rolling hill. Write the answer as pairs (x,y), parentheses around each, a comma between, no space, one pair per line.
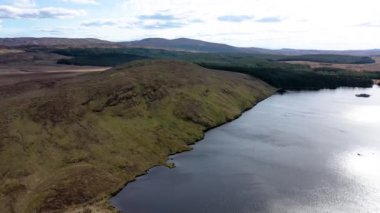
(185,44)
(179,44)
(70,143)
(182,44)
(57,42)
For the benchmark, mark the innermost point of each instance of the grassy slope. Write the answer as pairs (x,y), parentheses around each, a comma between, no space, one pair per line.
(75,141)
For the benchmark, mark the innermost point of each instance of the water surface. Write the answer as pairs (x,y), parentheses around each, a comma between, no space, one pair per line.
(299,152)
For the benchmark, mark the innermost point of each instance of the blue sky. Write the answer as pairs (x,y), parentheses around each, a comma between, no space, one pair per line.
(303,24)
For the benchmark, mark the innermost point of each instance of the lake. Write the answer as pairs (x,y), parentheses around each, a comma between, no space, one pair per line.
(308,151)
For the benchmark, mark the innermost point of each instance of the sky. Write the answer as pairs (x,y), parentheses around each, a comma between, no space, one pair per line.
(275,24)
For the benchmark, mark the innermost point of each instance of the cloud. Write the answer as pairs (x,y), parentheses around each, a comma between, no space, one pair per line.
(120,20)
(102,23)
(163,21)
(147,22)
(242,18)
(12,12)
(59,30)
(163,25)
(24,3)
(368,24)
(82,1)
(109,22)
(234,18)
(64,31)
(273,19)
(135,23)
(157,16)
(51,31)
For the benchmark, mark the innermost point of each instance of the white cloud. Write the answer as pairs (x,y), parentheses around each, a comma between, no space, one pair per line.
(369,24)
(270,19)
(203,9)
(323,24)
(13,12)
(24,3)
(82,1)
(276,24)
(121,23)
(154,21)
(233,18)
(60,31)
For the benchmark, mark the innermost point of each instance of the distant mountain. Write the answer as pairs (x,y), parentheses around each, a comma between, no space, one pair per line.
(57,42)
(180,44)
(371,52)
(184,44)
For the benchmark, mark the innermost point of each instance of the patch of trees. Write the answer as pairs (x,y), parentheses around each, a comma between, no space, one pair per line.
(373,75)
(328,69)
(299,78)
(336,59)
(265,67)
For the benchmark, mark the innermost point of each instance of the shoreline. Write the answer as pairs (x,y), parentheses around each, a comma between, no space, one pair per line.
(175,108)
(146,172)
(226,152)
(106,201)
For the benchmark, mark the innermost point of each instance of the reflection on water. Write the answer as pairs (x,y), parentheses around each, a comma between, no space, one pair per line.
(299,152)
(369,114)
(363,164)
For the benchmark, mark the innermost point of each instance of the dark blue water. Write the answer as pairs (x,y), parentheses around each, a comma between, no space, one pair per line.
(299,152)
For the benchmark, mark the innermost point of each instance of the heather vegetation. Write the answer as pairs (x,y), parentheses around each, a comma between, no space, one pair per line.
(101,59)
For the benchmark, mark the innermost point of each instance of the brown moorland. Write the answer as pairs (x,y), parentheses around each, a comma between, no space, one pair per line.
(375,67)
(19,66)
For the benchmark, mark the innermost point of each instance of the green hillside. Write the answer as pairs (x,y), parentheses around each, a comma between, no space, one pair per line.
(71,143)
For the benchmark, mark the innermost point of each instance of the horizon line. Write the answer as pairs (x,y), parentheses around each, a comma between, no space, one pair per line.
(171,39)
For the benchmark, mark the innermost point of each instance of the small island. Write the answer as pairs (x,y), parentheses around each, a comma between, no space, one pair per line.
(363,95)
